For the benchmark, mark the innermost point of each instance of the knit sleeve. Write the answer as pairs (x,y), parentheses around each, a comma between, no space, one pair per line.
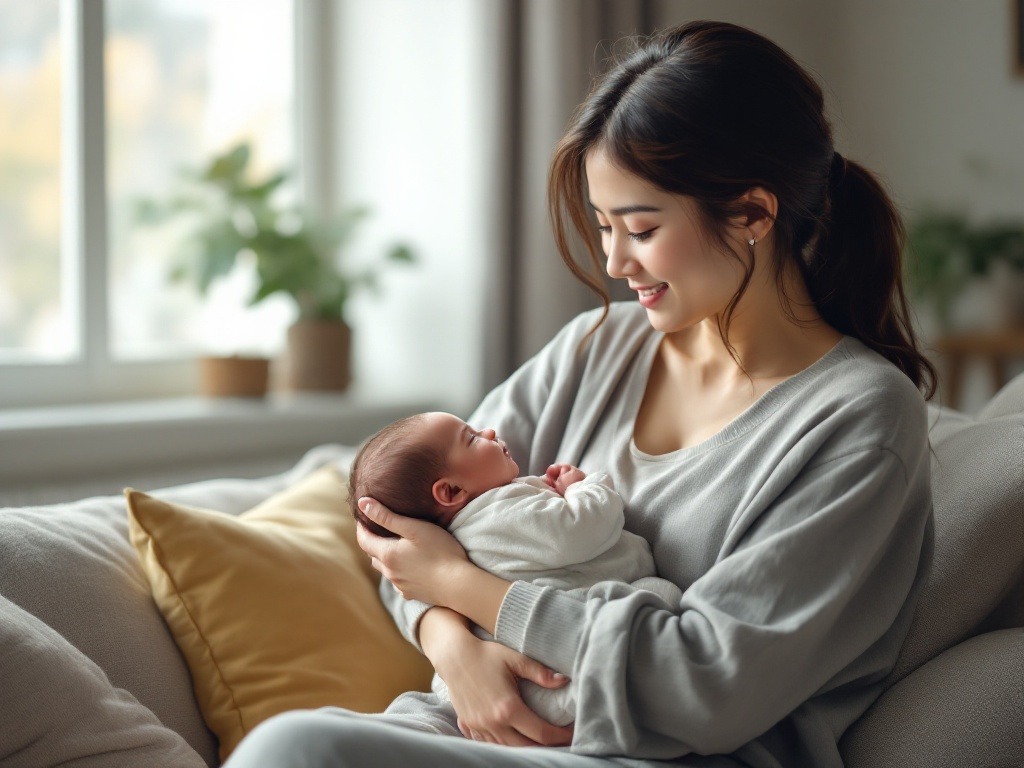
(816,592)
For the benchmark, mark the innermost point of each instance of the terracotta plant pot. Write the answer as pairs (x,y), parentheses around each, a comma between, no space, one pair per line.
(233,376)
(318,355)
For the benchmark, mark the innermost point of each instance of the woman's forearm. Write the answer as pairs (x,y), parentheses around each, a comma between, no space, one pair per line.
(436,628)
(477,595)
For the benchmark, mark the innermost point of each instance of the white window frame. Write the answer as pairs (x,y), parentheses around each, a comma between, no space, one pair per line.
(94,375)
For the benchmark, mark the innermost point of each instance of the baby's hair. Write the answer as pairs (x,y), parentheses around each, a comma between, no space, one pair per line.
(398,469)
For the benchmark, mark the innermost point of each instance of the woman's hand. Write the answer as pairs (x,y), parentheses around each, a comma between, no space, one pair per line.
(422,563)
(483,681)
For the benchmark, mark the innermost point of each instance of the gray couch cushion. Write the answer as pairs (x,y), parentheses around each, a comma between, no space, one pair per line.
(978,490)
(1008,401)
(963,708)
(72,566)
(60,709)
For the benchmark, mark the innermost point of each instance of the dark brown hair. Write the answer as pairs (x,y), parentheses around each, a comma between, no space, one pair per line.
(710,110)
(398,469)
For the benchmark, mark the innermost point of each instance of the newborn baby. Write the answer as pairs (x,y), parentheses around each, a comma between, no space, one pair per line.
(562,530)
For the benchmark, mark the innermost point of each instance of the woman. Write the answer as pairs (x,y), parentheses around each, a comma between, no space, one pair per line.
(760,410)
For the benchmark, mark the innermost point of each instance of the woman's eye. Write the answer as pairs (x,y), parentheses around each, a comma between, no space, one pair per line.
(636,237)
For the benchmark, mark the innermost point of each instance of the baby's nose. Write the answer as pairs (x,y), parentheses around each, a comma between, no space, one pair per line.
(488,434)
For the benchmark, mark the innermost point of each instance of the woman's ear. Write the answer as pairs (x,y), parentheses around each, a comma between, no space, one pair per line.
(448,495)
(758,201)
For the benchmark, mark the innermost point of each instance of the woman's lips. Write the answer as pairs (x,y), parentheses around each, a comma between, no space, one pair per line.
(650,295)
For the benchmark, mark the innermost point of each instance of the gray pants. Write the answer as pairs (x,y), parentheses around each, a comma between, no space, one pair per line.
(338,738)
(416,730)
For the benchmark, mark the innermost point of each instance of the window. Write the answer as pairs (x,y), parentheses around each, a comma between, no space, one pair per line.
(186,80)
(35,310)
(103,102)
(122,93)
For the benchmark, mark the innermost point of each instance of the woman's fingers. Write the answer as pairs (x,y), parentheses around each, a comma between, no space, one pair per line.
(531,669)
(535,729)
(510,737)
(483,680)
(385,518)
(529,723)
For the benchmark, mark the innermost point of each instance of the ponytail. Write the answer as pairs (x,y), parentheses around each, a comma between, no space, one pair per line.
(855,273)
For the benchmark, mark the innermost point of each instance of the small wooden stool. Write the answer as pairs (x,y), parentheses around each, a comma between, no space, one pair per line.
(997,348)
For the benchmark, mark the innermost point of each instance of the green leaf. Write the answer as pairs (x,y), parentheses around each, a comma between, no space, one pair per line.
(179,273)
(218,212)
(230,165)
(402,253)
(260,192)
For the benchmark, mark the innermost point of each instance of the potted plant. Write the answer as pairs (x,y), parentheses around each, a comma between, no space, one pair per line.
(225,213)
(947,253)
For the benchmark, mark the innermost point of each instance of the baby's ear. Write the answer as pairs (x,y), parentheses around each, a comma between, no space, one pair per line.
(447,494)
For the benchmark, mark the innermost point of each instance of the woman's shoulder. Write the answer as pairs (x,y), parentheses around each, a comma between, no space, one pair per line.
(867,401)
(869,378)
(625,322)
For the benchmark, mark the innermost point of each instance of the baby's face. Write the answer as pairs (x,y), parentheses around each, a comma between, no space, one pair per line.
(477,460)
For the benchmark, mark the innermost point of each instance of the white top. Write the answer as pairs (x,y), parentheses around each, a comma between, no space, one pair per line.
(527,531)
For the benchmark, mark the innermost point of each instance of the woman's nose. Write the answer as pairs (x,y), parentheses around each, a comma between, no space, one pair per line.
(619,264)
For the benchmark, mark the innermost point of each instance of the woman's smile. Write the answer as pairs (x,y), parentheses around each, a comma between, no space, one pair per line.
(651,294)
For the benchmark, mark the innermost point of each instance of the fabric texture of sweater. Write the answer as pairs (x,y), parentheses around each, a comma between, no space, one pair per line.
(800,534)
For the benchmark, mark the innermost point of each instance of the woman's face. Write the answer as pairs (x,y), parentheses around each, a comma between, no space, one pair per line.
(652,239)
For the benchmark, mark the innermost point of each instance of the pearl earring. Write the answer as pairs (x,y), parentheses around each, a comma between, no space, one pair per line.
(751,241)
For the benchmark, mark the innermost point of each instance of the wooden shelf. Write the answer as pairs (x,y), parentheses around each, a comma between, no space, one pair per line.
(995,348)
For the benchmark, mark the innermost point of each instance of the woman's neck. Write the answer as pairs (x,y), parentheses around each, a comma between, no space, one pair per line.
(770,344)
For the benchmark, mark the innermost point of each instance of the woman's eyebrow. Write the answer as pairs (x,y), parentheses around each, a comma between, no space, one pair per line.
(627,209)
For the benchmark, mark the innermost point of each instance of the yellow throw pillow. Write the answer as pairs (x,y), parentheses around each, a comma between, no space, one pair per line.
(273,610)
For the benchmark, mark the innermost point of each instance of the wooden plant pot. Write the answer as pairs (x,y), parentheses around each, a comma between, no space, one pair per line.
(233,376)
(319,355)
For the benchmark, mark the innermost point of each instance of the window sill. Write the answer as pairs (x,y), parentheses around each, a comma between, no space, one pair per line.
(158,442)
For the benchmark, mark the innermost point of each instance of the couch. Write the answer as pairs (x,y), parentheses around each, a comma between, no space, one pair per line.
(77,610)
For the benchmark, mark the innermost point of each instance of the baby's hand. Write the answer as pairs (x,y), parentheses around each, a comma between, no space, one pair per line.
(561,476)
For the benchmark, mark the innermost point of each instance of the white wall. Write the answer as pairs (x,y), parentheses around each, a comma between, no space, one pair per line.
(410,79)
(928,96)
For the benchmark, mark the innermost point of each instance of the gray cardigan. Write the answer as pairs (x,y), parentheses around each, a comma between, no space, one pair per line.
(800,535)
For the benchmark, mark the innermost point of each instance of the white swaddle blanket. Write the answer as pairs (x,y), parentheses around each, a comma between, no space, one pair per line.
(525,531)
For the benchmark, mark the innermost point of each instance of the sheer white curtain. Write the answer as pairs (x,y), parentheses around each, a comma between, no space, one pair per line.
(447,114)
(552,51)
